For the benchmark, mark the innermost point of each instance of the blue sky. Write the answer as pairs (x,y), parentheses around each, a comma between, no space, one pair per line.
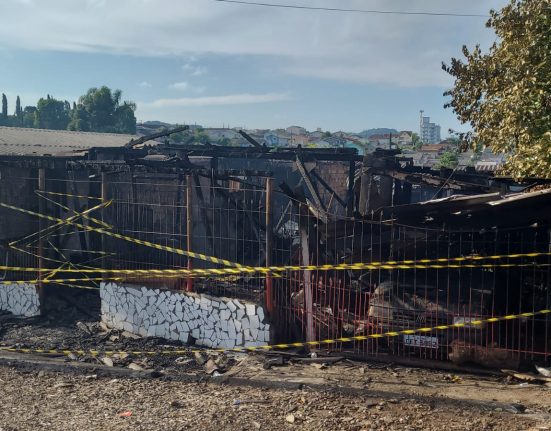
(205,62)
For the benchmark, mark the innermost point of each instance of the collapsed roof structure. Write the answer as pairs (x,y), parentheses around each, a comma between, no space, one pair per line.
(352,247)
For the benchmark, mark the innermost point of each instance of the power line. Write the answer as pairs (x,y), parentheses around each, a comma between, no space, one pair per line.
(366,11)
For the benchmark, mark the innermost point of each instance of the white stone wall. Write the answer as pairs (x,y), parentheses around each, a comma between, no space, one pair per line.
(20,299)
(212,322)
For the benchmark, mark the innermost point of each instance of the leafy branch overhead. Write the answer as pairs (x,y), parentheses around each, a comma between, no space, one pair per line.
(505,93)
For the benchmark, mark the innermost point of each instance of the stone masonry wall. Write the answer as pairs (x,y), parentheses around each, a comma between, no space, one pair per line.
(211,322)
(20,299)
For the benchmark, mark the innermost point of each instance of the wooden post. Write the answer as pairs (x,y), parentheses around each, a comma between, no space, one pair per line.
(269,298)
(308,295)
(189,228)
(41,226)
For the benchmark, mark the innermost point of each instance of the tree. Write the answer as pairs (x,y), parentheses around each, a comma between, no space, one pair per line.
(416,141)
(4,107)
(448,160)
(104,112)
(18,111)
(51,114)
(28,116)
(202,137)
(505,94)
(80,121)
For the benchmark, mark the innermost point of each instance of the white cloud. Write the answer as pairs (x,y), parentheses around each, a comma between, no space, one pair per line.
(194,70)
(180,85)
(144,84)
(230,99)
(387,49)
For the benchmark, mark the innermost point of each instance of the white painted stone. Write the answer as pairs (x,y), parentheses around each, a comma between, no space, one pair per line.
(238,325)
(253,321)
(260,313)
(231,306)
(212,322)
(250,309)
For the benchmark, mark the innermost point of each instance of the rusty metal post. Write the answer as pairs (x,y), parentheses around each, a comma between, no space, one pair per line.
(104,197)
(41,227)
(189,228)
(269,295)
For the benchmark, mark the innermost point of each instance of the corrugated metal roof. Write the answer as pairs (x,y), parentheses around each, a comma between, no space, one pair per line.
(39,142)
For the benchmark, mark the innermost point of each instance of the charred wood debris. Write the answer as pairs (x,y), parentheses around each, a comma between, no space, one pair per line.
(379,207)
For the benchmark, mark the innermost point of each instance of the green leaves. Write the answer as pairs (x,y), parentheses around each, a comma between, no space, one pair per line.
(505,94)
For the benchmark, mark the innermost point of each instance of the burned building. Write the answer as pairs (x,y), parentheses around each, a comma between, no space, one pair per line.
(246,246)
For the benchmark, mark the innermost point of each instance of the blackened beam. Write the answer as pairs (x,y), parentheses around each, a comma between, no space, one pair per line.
(146,138)
(431,180)
(250,139)
(327,187)
(308,181)
(268,153)
(350,194)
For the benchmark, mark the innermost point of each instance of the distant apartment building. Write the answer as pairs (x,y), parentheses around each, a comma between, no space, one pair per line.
(428,132)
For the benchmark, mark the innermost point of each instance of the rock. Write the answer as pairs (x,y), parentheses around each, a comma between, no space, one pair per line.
(211,366)
(290,418)
(515,408)
(107,361)
(130,335)
(135,367)
(200,357)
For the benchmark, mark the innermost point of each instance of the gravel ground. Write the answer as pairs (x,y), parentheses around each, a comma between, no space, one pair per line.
(343,396)
(35,401)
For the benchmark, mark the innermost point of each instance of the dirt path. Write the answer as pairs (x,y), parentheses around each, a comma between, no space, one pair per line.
(54,401)
(245,395)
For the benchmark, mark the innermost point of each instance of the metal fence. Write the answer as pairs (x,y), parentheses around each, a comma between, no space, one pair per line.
(248,221)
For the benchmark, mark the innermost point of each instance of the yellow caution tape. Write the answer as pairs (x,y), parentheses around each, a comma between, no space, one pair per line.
(403,264)
(127,238)
(153,273)
(389,334)
(69,195)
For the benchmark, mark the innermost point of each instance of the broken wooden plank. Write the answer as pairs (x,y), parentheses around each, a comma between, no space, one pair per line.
(309,184)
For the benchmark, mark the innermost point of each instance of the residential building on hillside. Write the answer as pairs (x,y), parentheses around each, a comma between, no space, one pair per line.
(296,130)
(428,132)
(299,140)
(405,138)
(275,139)
(318,134)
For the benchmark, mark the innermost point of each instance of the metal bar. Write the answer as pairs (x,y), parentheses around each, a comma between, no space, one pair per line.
(308,297)
(269,293)
(104,197)
(41,227)
(189,228)
(350,194)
